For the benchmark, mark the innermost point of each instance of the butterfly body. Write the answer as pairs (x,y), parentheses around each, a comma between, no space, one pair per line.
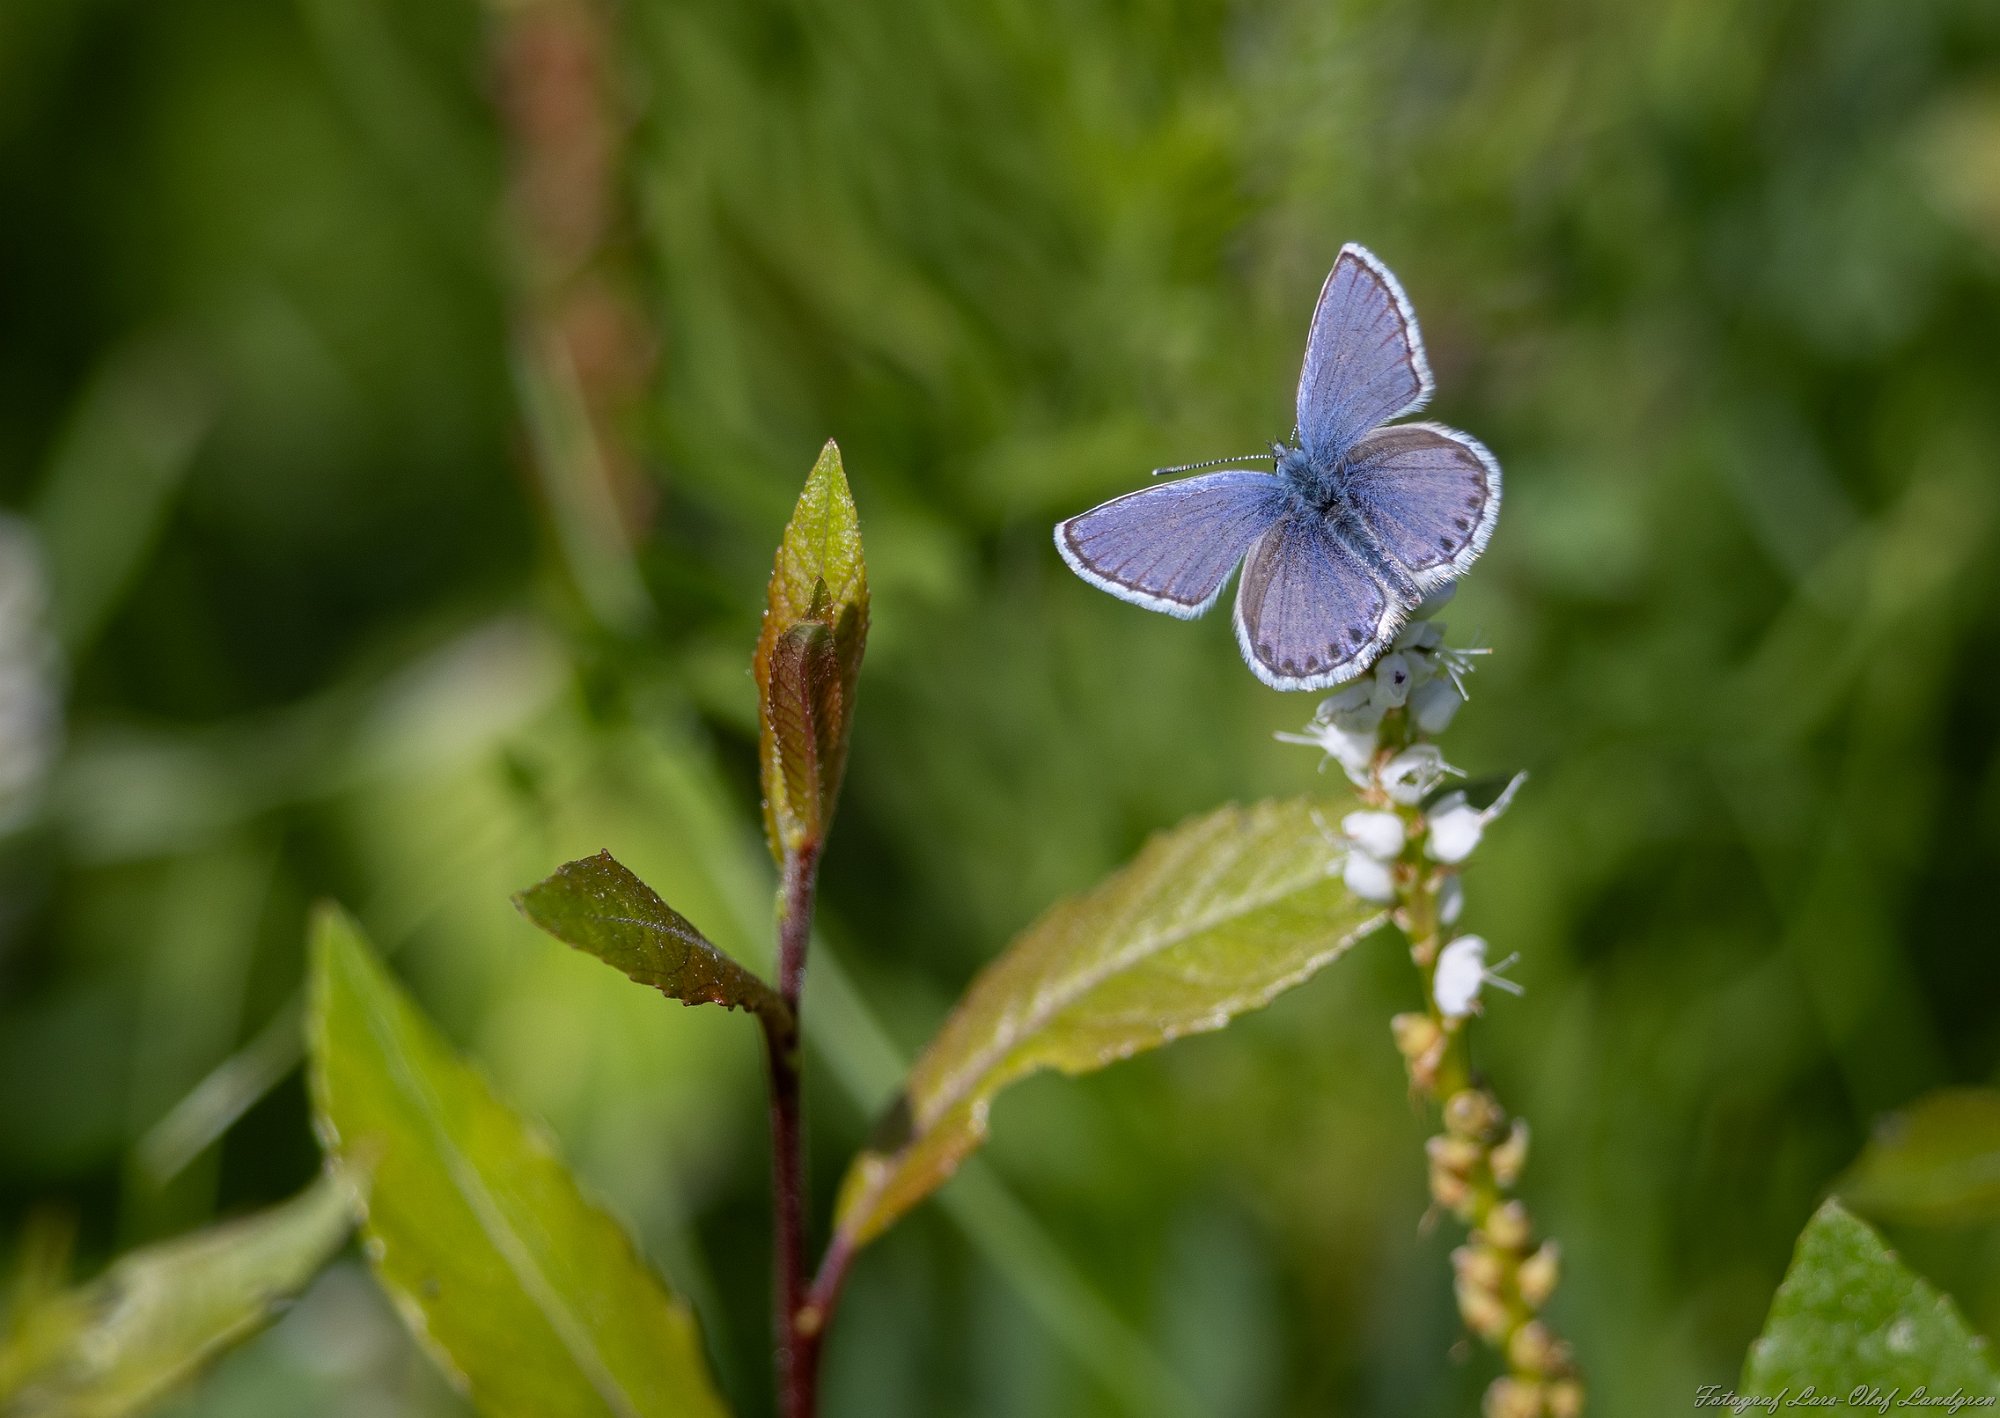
(1358,521)
(1313,483)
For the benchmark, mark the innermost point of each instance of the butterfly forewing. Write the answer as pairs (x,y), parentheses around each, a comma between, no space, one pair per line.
(1309,614)
(1364,358)
(1170,548)
(1429,494)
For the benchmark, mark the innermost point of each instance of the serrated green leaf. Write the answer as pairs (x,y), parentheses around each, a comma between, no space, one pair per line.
(1851,1315)
(1214,918)
(524,1290)
(602,909)
(159,1315)
(1936,1161)
(820,580)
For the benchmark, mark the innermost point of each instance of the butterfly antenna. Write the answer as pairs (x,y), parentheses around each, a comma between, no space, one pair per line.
(1214,463)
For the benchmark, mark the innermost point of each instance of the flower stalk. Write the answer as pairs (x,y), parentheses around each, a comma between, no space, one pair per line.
(798,1328)
(1405,848)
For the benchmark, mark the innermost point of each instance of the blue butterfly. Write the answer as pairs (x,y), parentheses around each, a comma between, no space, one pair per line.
(1359,522)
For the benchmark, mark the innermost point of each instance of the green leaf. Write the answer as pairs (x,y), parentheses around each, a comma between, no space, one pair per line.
(523,1289)
(1214,918)
(1936,1161)
(604,910)
(159,1315)
(1850,1315)
(806,693)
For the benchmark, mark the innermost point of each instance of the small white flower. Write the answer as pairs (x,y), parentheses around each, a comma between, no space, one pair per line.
(1368,878)
(1414,772)
(1435,602)
(1352,749)
(1352,697)
(1455,826)
(1364,720)
(1461,972)
(1454,829)
(1457,662)
(1451,901)
(1378,834)
(1392,682)
(1434,705)
(1420,635)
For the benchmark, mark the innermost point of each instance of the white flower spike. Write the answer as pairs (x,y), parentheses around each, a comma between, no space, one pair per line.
(1462,971)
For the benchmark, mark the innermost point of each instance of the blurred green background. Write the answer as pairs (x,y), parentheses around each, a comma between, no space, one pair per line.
(398,408)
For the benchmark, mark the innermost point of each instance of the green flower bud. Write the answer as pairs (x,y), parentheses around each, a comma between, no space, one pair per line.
(1534,1349)
(1457,1155)
(1565,1399)
(1482,1310)
(1513,1398)
(1509,1228)
(1538,1275)
(1473,1113)
(1511,1156)
(1416,1034)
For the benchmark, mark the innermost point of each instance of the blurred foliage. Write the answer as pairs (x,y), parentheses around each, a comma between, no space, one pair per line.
(115,1347)
(1936,1162)
(345,605)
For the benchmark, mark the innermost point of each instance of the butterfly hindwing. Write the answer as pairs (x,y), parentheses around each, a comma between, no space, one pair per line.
(1429,494)
(1309,613)
(1170,548)
(1364,360)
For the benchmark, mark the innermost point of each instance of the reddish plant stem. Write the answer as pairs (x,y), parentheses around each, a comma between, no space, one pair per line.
(797,1323)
